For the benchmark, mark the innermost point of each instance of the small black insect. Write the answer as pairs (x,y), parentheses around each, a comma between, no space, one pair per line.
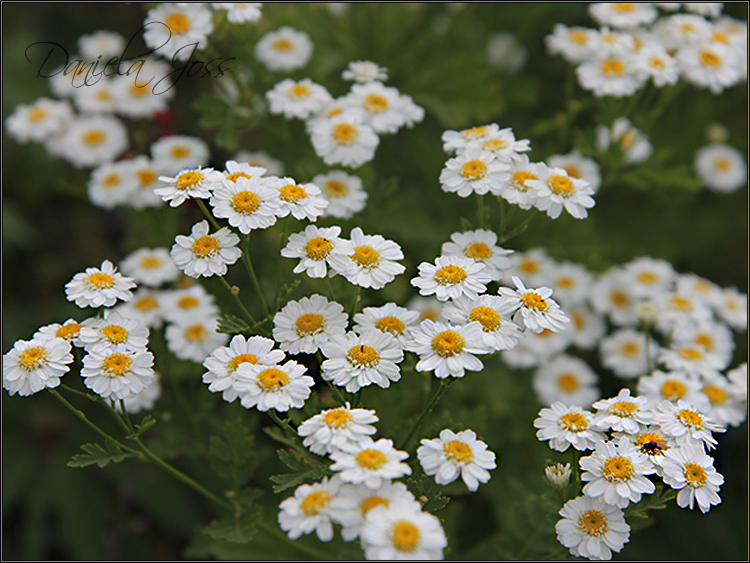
(652,447)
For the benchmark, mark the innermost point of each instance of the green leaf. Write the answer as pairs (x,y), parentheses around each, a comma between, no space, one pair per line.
(229,324)
(96,454)
(239,527)
(303,467)
(147,422)
(427,492)
(233,454)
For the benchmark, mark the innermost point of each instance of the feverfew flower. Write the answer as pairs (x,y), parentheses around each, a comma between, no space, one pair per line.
(613,74)
(458,141)
(402,531)
(364,71)
(184,305)
(566,426)
(35,364)
(345,140)
(715,65)
(117,372)
(284,49)
(297,99)
(565,379)
(344,193)
(337,428)
(623,413)
(577,166)
(498,331)
(555,190)
(247,203)
(721,168)
(145,399)
(671,386)
(616,472)
(39,121)
(373,262)
(575,44)
(150,266)
(517,190)
(309,509)
(725,407)
(634,145)
(105,43)
(474,171)
(69,331)
(303,201)
(451,277)
(279,387)
(623,15)
(454,454)
(355,361)
(686,425)
(179,152)
(97,287)
(174,28)
(627,353)
(314,247)
(188,183)
(302,326)
(503,145)
(201,254)
(689,470)
(535,309)
(240,12)
(370,462)
(380,105)
(390,318)
(113,330)
(591,528)
(481,246)
(447,350)
(194,339)
(92,140)
(111,184)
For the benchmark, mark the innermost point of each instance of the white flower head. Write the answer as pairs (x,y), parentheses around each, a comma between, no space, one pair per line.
(447,350)
(202,254)
(184,305)
(35,365)
(195,183)
(240,12)
(617,473)
(247,203)
(721,168)
(458,141)
(725,405)
(279,387)
(145,399)
(302,326)
(451,277)
(566,426)
(146,307)
(337,428)
(475,171)
(150,266)
(498,331)
(380,105)
(147,173)
(69,331)
(555,190)
(297,99)
(633,144)
(309,510)
(390,318)
(364,71)
(117,372)
(373,263)
(672,386)
(97,287)
(303,201)
(284,49)
(314,247)
(39,121)
(688,426)
(623,413)
(592,528)
(344,139)
(402,531)
(577,166)
(456,454)
(113,330)
(174,28)
(481,246)
(344,193)
(194,339)
(535,309)
(179,152)
(112,184)
(715,66)
(90,141)
(623,15)
(565,379)
(689,470)
(627,353)
(370,462)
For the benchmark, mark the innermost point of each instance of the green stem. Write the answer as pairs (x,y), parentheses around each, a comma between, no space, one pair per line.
(519,229)
(283,423)
(330,289)
(126,416)
(480,210)
(207,213)
(444,384)
(238,300)
(282,239)
(253,277)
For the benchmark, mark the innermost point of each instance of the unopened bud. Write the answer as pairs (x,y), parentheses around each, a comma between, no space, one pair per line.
(558,475)
(235,290)
(716,133)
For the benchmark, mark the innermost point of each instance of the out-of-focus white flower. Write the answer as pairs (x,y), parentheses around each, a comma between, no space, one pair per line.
(174,28)
(721,168)
(284,49)
(364,71)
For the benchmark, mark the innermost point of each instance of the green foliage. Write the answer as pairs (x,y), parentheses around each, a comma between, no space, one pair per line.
(98,455)
(305,469)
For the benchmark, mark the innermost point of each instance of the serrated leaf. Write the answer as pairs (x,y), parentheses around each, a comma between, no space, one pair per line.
(426,490)
(147,422)
(289,480)
(238,528)
(232,455)
(229,324)
(97,455)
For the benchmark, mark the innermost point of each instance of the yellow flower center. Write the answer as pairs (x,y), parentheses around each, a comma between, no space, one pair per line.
(94,138)
(573,171)
(495,145)
(196,333)
(568,382)
(363,356)
(117,364)
(318,248)
(111,180)
(150,262)
(299,91)
(529,266)
(715,394)
(233,177)
(366,257)
(405,536)
(474,133)
(691,354)
(593,523)
(673,390)
(709,58)
(488,317)
(100,280)
(334,112)
(146,304)
(188,180)
(235,362)
(695,475)
(315,502)
(187,302)
(624,409)
(566,282)
(574,422)
(371,502)
(613,67)
(292,193)
(272,379)
(691,419)
(245,202)
(37,114)
(179,152)
(629,349)
(617,469)
(115,334)
(519,180)
(450,275)
(681,303)
(206,247)
(448,343)
(532,300)
(458,451)
(283,45)
(33,358)
(103,95)
(578,320)
(623,7)
(336,189)
(178,23)
(345,133)
(390,324)
(138,91)
(619,298)
(705,340)
(309,324)
(478,251)
(371,459)
(577,36)
(657,63)
(337,418)
(722,165)
(627,140)
(474,170)
(561,185)
(68,331)
(647,278)
(146,177)
(375,103)
(720,37)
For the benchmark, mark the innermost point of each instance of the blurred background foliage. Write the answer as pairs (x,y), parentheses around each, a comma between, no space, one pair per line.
(435,53)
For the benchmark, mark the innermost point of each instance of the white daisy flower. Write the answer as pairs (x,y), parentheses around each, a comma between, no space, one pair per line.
(314,247)
(201,254)
(731,307)
(566,426)
(261,159)
(240,12)
(116,372)
(451,277)
(373,262)
(738,379)
(534,308)
(194,339)
(35,364)
(707,9)
(648,277)
(344,140)
(224,361)
(147,174)
(537,349)
(402,531)
(39,121)
(145,399)
(284,49)
(105,43)
(136,98)
(672,386)
(113,330)
(112,184)
(623,15)
(565,379)
(427,307)
(623,413)
(303,201)
(652,442)
(69,331)
(721,168)
(146,307)
(691,358)
(390,318)
(380,105)
(587,327)
(355,361)
(607,43)
(503,145)
(183,305)
(715,337)
(627,353)
(689,470)
(533,265)
(574,44)
(555,190)
(297,99)
(591,528)
(447,350)
(577,166)
(279,387)
(659,64)
(370,462)
(309,510)
(364,71)
(233,170)
(481,246)
(247,203)
(686,425)
(150,266)
(634,145)
(337,428)
(454,454)
(474,171)
(302,326)
(724,407)
(613,295)
(506,53)
(617,473)
(571,283)
(188,183)
(714,66)
(92,140)
(458,141)
(97,287)
(175,28)
(179,152)
(344,193)
(498,331)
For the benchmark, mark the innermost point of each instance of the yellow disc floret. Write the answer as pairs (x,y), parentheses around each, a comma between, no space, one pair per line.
(188,180)
(366,257)
(673,390)
(33,358)
(390,324)
(100,280)
(478,251)
(371,459)
(292,193)
(318,248)
(593,523)
(345,133)
(474,170)
(488,317)
(235,362)
(617,469)
(337,418)
(272,379)
(206,247)
(363,356)
(309,324)
(314,502)
(94,138)
(115,334)
(245,202)
(574,422)
(531,300)
(561,185)
(458,451)
(450,275)
(375,103)
(178,23)
(568,382)
(448,343)
(695,475)
(117,364)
